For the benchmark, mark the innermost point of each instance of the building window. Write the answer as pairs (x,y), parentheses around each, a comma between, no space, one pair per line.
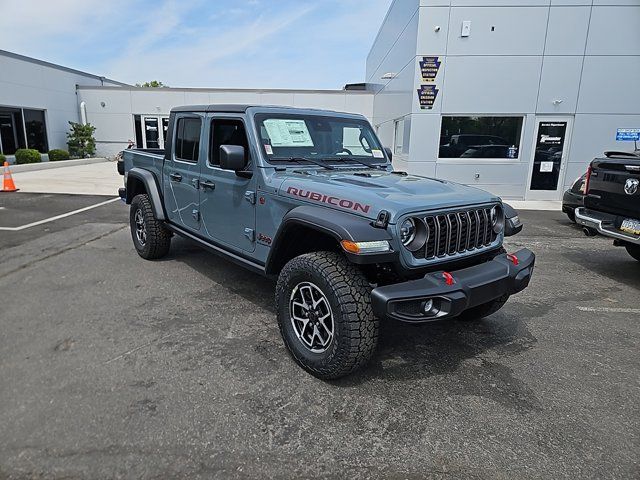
(36,130)
(480,137)
(398,136)
(188,139)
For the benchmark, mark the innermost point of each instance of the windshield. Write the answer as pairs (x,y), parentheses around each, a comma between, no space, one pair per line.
(287,137)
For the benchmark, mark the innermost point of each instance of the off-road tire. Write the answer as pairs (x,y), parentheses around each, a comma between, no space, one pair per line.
(634,251)
(483,310)
(158,238)
(348,292)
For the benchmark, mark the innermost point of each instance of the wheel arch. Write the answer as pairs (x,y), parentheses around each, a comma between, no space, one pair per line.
(307,229)
(140,181)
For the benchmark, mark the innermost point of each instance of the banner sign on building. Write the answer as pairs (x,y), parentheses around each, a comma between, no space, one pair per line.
(429,67)
(628,135)
(427,96)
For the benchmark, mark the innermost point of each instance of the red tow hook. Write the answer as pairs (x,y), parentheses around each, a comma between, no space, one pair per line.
(513,258)
(448,278)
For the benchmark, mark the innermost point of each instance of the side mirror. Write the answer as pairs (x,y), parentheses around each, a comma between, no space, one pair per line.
(389,153)
(512,223)
(232,157)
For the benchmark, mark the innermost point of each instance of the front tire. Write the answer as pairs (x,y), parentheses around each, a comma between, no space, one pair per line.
(634,251)
(150,237)
(484,310)
(325,315)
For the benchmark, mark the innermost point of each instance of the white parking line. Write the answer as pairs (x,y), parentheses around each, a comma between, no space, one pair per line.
(58,217)
(609,309)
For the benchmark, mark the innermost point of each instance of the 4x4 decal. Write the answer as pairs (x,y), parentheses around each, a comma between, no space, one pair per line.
(331,200)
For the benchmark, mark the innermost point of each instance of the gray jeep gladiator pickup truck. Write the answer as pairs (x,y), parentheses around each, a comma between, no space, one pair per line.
(311,197)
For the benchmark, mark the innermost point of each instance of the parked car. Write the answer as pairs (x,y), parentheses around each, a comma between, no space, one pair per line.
(458,144)
(574,197)
(487,151)
(310,197)
(612,201)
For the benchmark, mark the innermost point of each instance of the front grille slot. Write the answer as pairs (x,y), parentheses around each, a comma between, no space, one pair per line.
(459,232)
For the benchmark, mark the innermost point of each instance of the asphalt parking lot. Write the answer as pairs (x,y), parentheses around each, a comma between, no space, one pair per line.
(116,367)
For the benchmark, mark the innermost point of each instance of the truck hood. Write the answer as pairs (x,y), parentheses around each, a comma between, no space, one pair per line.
(367,192)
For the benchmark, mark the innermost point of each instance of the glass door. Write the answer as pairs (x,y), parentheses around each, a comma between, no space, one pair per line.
(8,135)
(549,158)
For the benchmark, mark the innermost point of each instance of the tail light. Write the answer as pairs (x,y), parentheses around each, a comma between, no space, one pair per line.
(586,181)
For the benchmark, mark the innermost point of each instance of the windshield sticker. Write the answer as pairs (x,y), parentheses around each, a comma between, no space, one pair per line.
(377,153)
(288,133)
(268,149)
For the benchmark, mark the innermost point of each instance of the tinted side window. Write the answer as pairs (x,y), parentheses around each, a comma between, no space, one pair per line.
(187,139)
(226,132)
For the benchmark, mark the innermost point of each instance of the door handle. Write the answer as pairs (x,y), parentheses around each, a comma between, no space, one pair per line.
(208,184)
(176,177)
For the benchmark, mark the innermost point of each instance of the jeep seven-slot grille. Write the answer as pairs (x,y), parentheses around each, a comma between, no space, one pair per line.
(454,233)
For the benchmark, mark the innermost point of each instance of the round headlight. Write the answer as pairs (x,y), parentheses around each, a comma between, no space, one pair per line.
(407,231)
(413,234)
(497,219)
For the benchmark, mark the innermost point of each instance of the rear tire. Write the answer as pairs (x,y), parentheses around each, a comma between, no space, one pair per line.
(634,251)
(150,237)
(484,310)
(325,315)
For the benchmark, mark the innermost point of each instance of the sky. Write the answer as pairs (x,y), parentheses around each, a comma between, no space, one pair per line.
(200,43)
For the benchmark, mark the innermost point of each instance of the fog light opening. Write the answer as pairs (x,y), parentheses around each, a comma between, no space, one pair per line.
(429,308)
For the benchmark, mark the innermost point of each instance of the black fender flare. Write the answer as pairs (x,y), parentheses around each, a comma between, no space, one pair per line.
(151,186)
(338,225)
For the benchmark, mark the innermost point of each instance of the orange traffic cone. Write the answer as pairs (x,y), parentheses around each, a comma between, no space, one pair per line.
(7,183)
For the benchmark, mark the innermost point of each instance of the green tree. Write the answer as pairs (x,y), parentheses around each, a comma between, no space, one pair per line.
(152,84)
(80,140)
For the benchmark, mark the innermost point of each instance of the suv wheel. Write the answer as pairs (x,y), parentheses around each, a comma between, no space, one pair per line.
(484,310)
(325,315)
(634,251)
(150,237)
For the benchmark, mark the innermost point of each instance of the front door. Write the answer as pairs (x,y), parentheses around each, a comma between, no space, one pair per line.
(549,158)
(182,171)
(227,198)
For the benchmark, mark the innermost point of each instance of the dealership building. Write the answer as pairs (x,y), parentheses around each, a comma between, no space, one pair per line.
(513,96)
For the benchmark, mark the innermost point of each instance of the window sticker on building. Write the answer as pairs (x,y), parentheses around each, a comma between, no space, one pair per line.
(288,133)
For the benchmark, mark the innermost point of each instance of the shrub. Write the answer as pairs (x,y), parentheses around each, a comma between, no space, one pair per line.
(80,140)
(27,155)
(2,159)
(58,154)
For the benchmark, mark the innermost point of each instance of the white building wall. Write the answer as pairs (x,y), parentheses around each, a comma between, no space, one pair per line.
(30,83)
(114,120)
(530,58)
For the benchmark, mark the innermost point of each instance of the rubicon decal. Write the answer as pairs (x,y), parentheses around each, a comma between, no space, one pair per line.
(336,201)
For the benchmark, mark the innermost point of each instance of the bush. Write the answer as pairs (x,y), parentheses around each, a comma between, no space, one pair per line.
(58,154)
(27,155)
(2,159)
(80,140)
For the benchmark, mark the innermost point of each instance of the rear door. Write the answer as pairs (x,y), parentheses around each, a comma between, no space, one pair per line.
(227,198)
(614,186)
(182,171)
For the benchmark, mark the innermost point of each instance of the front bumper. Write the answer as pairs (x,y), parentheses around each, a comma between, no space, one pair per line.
(605,224)
(470,287)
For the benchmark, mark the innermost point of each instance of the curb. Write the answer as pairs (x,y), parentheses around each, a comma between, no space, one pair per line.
(30,167)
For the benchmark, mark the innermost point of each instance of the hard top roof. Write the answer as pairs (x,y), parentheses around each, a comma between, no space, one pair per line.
(242,108)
